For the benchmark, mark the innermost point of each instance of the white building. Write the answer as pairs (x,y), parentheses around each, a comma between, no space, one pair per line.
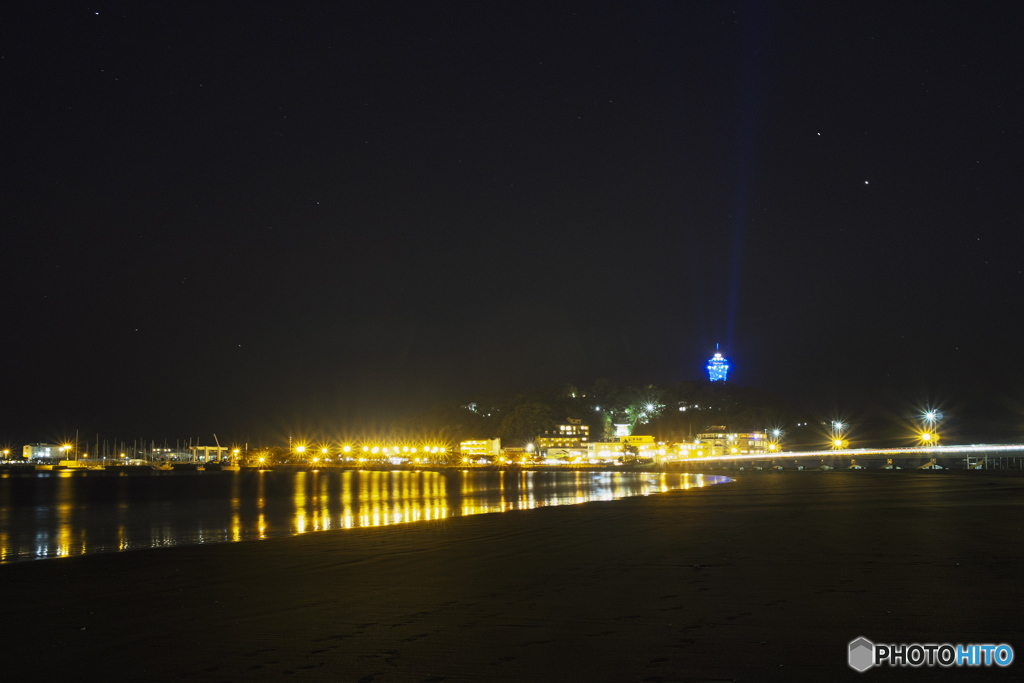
(480,448)
(38,451)
(646,448)
(719,441)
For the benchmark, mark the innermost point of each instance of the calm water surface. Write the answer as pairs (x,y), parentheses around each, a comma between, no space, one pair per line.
(57,514)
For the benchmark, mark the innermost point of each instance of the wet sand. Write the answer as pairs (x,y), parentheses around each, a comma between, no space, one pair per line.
(765,578)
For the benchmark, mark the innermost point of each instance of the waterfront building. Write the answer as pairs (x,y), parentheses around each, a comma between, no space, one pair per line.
(208,453)
(179,456)
(641,441)
(646,448)
(480,448)
(515,454)
(573,434)
(719,441)
(681,450)
(41,451)
(718,367)
(604,450)
(567,454)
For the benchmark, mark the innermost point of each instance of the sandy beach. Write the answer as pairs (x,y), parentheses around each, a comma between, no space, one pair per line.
(764,578)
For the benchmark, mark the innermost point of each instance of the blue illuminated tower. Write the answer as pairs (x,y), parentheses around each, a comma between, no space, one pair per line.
(718,367)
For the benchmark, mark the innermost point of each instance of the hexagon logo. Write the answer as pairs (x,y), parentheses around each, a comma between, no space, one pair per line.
(862,654)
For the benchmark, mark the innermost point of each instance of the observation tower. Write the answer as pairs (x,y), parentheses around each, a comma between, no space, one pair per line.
(718,366)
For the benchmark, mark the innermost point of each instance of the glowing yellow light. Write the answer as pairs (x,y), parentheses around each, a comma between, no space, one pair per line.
(325,451)
(300,449)
(375,449)
(346,449)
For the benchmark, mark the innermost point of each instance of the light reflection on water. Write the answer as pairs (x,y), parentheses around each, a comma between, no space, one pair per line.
(57,514)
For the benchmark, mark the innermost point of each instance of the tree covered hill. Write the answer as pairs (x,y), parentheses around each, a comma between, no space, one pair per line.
(669,413)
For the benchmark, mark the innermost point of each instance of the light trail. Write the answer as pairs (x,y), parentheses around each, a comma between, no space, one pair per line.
(858,452)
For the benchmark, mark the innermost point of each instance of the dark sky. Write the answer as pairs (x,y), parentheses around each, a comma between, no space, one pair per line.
(244,217)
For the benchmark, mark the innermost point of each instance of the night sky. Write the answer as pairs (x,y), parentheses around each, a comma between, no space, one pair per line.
(251,218)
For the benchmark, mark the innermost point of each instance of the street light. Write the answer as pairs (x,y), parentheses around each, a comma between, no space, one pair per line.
(928,434)
(838,435)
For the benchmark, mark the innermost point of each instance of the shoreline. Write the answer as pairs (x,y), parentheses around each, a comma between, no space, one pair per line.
(735,581)
(673,468)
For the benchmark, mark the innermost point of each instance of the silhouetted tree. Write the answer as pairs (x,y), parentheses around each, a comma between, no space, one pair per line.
(526,420)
